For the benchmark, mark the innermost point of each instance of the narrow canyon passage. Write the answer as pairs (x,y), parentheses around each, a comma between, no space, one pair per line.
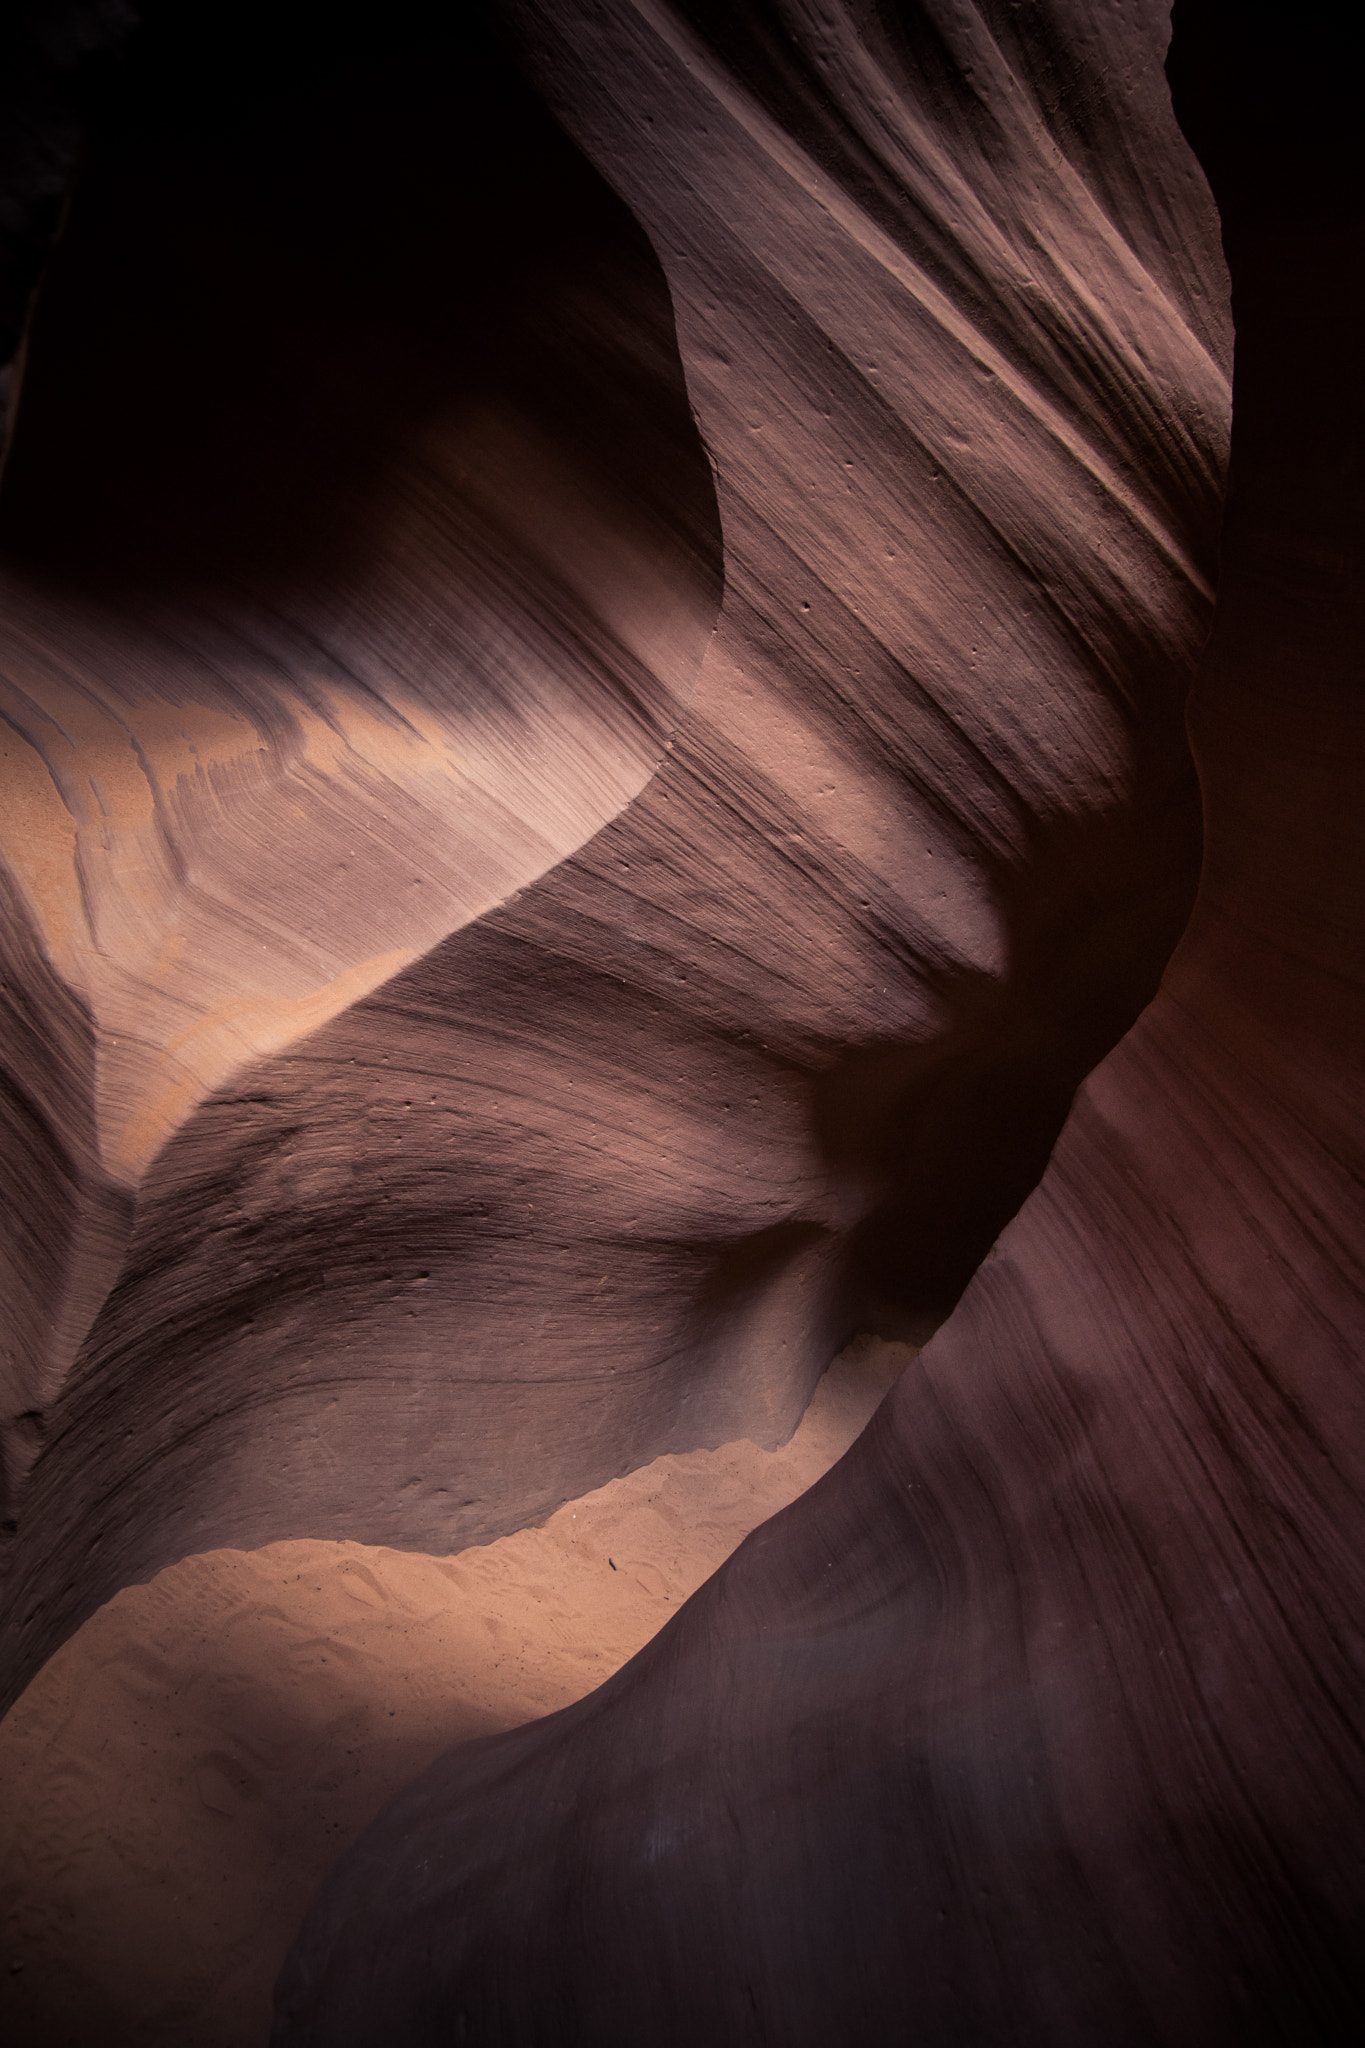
(598,600)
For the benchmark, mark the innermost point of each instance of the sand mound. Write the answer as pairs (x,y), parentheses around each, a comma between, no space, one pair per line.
(176,1781)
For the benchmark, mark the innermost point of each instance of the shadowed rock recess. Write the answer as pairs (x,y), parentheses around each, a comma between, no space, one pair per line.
(597,604)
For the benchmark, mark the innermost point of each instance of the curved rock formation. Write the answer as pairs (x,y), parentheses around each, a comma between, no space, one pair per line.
(179,1777)
(358,555)
(611,1170)
(1039,1718)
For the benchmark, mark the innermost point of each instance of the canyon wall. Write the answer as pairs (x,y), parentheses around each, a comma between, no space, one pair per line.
(1038,1718)
(364,563)
(600,790)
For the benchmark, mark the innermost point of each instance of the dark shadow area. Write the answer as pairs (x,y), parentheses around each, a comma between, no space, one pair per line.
(298,236)
(943,1140)
(65,1225)
(50,50)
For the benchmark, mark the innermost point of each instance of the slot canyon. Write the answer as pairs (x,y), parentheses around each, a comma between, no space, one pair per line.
(682,837)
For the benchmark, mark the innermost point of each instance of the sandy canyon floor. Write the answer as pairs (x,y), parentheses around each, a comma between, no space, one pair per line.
(178,1778)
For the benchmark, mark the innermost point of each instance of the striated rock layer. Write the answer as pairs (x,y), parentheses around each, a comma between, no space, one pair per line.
(357,553)
(179,1777)
(1038,1719)
(611,1170)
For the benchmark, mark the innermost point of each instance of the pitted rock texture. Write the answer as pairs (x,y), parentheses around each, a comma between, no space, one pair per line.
(613,1169)
(1038,1719)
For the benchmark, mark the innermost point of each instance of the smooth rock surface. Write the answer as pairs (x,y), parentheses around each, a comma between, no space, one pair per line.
(1038,1719)
(357,554)
(612,1170)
